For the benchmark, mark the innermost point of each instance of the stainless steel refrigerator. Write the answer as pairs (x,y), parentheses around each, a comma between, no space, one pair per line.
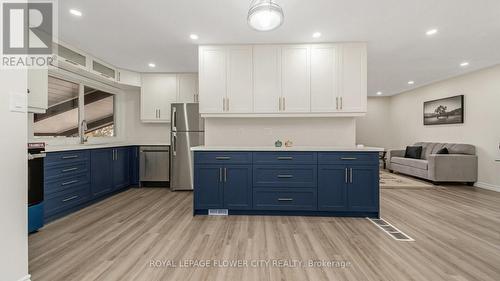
(187,130)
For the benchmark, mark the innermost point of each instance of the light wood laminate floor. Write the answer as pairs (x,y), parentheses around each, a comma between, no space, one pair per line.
(457,233)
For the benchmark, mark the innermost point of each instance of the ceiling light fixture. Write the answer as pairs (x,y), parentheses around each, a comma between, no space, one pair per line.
(431,32)
(75,12)
(316,34)
(152,65)
(265,15)
(194,36)
(379,93)
(411,82)
(464,64)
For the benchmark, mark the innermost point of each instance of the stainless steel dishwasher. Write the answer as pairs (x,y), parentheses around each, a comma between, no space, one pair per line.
(154,164)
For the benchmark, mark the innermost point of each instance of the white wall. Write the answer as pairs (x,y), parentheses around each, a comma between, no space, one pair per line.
(481,127)
(374,128)
(14,174)
(265,131)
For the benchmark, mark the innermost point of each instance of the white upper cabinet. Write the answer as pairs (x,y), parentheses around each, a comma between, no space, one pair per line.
(282,80)
(38,88)
(127,77)
(266,78)
(212,75)
(158,91)
(239,80)
(295,75)
(324,78)
(353,82)
(187,87)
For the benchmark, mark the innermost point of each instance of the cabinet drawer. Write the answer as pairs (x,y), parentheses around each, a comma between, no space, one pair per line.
(348,158)
(66,169)
(68,199)
(65,183)
(222,157)
(285,157)
(285,175)
(54,158)
(284,199)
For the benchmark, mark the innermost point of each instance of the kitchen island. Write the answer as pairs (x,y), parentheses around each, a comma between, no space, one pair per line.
(309,181)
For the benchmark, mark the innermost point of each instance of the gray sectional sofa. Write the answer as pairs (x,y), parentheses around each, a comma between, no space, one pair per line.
(458,166)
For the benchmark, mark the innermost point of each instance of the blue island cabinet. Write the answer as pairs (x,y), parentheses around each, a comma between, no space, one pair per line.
(287,183)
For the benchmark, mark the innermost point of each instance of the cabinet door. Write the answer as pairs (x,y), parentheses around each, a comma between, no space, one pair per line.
(239,79)
(158,91)
(169,82)
(332,185)
(208,187)
(101,166)
(38,87)
(266,78)
(128,78)
(121,172)
(237,187)
(187,87)
(324,74)
(296,79)
(134,165)
(363,188)
(212,75)
(353,91)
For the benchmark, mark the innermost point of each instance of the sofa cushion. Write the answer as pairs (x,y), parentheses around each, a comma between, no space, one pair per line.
(414,152)
(415,163)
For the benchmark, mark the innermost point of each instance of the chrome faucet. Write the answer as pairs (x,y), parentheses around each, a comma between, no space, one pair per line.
(83,128)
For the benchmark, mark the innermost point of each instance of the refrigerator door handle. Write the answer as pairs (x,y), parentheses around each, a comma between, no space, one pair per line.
(174,144)
(174,118)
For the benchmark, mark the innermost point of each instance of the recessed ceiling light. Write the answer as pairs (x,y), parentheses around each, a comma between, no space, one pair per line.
(316,34)
(379,93)
(411,82)
(431,32)
(194,36)
(464,64)
(75,12)
(152,65)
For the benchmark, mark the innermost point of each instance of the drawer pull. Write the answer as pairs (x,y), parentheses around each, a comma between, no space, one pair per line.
(70,198)
(222,158)
(69,170)
(349,158)
(70,157)
(69,182)
(285,176)
(285,158)
(285,199)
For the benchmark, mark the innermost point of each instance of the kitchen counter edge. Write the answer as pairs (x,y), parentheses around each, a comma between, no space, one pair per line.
(295,148)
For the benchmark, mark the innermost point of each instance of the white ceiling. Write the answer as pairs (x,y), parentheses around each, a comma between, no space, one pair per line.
(131,33)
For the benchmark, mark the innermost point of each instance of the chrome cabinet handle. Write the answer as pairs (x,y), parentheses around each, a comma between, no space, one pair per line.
(69,170)
(69,182)
(350,175)
(284,103)
(70,157)
(285,199)
(337,103)
(346,175)
(227,106)
(70,198)
(223,103)
(348,158)
(284,158)
(285,176)
(222,158)
(220,174)
(116,154)
(225,174)
(341,103)
(159,113)
(280,107)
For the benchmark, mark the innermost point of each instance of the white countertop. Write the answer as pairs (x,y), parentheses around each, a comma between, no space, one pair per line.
(293,148)
(68,147)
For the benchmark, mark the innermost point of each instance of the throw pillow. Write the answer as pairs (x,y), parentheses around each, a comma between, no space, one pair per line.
(414,152)
(443,150)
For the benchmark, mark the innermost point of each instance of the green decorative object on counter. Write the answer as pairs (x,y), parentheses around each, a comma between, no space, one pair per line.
(278,143)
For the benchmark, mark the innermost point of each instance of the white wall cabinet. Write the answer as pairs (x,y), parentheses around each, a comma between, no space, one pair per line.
(38,88)
(187,87)
(158,91)
(127,77)
(283,80)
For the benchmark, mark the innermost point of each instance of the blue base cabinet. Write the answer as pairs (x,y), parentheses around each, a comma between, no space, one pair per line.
(287,183)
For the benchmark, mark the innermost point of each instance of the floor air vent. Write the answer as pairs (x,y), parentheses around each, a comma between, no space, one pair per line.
(217,212)
(390,229)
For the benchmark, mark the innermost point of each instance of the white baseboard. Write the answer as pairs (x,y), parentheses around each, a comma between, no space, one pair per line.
(26,278)
(487,186)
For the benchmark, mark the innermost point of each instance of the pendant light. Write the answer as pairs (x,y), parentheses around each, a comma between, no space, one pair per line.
(265,15)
